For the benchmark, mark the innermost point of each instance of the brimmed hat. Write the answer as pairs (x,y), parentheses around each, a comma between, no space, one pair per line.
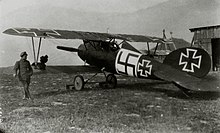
(23,53)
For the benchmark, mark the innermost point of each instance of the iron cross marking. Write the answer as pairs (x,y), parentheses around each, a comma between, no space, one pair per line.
(144,68)
(36,32)
(190,60)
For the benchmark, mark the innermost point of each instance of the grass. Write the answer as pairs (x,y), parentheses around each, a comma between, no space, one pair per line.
(136,106)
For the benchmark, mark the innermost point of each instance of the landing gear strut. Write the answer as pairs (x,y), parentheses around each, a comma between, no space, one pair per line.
(110,82)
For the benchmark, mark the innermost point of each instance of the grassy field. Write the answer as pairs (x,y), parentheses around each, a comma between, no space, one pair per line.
(135,106)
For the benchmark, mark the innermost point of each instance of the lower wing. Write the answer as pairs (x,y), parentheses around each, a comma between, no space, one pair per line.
(68,70)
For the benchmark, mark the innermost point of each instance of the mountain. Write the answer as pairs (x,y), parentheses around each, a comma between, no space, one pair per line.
(179,16)
(176,16)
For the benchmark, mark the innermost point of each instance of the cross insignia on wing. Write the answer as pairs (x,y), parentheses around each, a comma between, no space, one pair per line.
(25,31)
(190,60)
(50,32)
(36,32)
(144,68)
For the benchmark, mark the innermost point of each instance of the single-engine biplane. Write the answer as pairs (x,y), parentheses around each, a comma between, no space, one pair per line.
(184,67)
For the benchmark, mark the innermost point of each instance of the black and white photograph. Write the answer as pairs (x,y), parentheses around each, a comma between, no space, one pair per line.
(109,66)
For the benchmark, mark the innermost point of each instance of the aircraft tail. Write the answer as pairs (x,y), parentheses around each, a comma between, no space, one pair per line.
(194,61)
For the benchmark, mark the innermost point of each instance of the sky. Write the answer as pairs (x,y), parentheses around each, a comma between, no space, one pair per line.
(84,5)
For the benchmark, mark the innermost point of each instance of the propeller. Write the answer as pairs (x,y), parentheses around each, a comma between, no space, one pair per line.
(70,49)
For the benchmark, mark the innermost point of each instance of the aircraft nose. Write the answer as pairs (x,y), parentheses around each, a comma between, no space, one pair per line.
(81,52)
(81,47)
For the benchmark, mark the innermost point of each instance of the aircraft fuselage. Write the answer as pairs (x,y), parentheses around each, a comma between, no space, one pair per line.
(98,56)
(121,61)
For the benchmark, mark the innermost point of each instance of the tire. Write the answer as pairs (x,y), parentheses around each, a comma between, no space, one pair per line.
(79,82)
(111,81)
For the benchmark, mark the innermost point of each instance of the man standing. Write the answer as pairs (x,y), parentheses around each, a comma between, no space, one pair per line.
(23,71)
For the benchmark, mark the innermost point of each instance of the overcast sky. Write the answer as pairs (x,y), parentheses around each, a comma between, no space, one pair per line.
(85,5)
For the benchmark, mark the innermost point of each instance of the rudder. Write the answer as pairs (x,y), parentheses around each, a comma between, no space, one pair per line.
(194,61)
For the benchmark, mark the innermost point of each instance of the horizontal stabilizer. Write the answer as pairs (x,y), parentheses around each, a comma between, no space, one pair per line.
(70,49)
(184,80)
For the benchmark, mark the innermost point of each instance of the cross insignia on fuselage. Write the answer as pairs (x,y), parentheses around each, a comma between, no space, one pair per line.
(190,60)
(144,68)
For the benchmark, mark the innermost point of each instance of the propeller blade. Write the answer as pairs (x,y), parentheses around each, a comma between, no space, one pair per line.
(70,49)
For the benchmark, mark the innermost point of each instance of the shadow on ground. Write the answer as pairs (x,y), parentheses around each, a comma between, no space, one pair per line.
(167,88)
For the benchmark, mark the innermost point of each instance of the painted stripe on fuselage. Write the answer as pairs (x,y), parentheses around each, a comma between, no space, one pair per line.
(133,64)
(126,62)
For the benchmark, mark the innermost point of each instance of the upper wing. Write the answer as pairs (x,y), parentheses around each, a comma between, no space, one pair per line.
(66,34)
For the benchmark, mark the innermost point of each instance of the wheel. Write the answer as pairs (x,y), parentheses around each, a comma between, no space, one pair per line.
(111,81)
(79,82)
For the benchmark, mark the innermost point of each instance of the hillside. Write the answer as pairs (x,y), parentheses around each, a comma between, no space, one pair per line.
(176,16)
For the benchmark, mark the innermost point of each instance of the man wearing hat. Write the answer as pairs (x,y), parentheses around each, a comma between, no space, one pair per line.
(24,71)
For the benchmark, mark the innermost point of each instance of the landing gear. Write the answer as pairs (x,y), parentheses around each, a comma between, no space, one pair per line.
(110,82)
(79,82)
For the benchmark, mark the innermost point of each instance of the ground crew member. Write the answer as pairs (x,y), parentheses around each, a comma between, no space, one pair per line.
(23,71)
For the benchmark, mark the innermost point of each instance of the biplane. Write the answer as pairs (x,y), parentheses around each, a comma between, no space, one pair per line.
(182,67)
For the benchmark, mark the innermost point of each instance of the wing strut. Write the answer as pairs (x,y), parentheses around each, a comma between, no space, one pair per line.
(35,60)
(39,45)
(36,57)
(155,49)
(148,48)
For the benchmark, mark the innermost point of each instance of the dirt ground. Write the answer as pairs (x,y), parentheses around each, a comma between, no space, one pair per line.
(135,106)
